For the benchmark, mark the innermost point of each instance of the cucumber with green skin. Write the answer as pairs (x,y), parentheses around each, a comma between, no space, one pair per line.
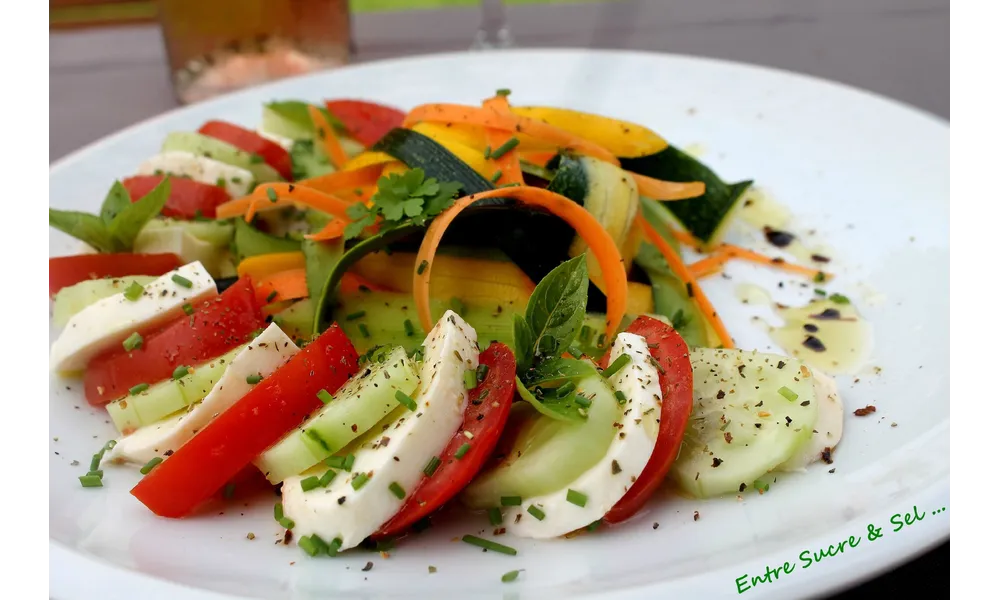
(705,217)
(670,297)
(209,147)
(71,300)
(250,241)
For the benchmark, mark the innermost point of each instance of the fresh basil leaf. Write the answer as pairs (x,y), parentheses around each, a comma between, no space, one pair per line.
(557,371)
(117,200)
(556,309)
(127,224)
(548,404)
(524,341)
(85,227)
(321,258)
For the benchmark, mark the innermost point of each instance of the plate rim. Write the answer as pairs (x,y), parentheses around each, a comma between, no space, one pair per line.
(67,560)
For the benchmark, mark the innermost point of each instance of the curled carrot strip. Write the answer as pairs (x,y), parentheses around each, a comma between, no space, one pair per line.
(686,238)
(328,137)
(587,227)
(677,265)
(331,231)
(284,285)
(727,252)
(510,123)
(344,180)
(668,190)
(328,203)
(509,165)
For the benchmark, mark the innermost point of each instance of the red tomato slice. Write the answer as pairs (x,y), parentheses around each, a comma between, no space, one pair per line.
(217,326)
(250,141)
(367,122)
(676,381)
(65,271)
(188,198)
(485,421)
(275,406)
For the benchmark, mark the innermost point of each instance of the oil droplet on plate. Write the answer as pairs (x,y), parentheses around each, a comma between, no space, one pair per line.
(749,293)
(830,336)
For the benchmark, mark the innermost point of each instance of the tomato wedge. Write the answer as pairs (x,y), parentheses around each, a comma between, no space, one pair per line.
(204,464)
(250,141)
(676,381)
(65,271)
(188,199)
(367,122)
(217,326)
(485,420)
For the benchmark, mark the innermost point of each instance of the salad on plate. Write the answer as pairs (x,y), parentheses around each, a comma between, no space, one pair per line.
(377,313)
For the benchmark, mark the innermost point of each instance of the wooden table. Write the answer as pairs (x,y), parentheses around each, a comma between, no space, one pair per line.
(103,80)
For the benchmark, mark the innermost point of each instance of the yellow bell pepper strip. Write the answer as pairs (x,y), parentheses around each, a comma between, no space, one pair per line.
(726,252)
(510,123)
(503,147)
(328,137)
(583,222)
(367,159)
(262,266)
(473,280)
(622,138)
(668,190)
(677,265)
(640,299)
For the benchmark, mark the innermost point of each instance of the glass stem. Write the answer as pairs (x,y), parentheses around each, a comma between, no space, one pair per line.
(493,31)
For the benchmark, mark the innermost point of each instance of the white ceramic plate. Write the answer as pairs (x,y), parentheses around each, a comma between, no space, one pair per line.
(870,174)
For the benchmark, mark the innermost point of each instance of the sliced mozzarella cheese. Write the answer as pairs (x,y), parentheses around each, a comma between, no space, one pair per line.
(106,323)
(394,452)
(829,425)
(604,484)
(238,181)
(263,356)
(280,140)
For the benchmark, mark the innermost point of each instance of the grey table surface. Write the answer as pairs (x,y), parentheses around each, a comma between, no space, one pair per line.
(105,79)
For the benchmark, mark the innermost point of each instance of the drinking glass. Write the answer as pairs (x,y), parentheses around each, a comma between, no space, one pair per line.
(217,46)
(493,30)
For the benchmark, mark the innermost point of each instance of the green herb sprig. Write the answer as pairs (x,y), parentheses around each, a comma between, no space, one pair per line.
(407,198)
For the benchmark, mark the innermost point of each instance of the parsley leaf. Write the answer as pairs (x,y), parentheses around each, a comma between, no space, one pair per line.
(410,197)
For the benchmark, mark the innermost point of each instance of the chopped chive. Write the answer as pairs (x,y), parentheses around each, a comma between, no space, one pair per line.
(510,576)
(132,342)
(95,460)
(334,547)
(616,366)
(432,465)
(586,333)
(593,526)
(405,400)
(188,309)
(327,477)
(489,545)
(601,339)
(470,379)
(181,371)
(279,512)
(819,277)
(839,299)
(271,296)
(137,389)
(481,372)
(149,466)
(496,176)
(397,490)
(349,462)
(583,401)
(310,483)
(510,501)
(565,389)
(324,548)
(462,450)
(422,267)
(287,523)
(575,352)
(457,305)
(495,517)
(408,328)
(761,486)
(355,315)
(111,444)
(819,292)
(97,473)
(577,498)
(182,281)
(254,379)
(536,512)
(505,148)
(359,481)
(507,185)
(220,182)
(134,291)
(324,396)
(788,394)
(503,92)
(364,330)
(487,152)
(91,481)
(620,396)
(272,195)
(307,543)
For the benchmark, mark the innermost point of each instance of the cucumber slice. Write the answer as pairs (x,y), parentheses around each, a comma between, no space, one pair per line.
(542,455)
(217,233)
(765,428)
(670,297)
(71,300)
(202,145)
(290,119)
(356,407)
(180,241)
(250,241)
(167,397)
(297,320)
